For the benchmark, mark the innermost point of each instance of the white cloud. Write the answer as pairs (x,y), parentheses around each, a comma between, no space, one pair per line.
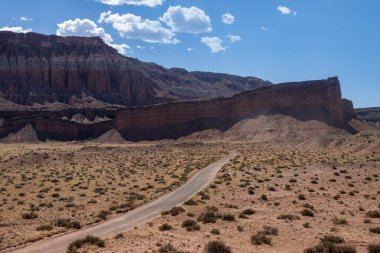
(134,27)
(214,43)
(234,38)
(150,3)
(140,47)
(265,29)
(25,19)
(285,10)
(188,20)
(17,29)
(228,18)
(189,49)
(88,28)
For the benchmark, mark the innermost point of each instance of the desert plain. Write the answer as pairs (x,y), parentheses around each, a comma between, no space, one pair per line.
(274,196)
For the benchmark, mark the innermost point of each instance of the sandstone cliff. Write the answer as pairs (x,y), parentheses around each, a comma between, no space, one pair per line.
(312,100)
(36,68)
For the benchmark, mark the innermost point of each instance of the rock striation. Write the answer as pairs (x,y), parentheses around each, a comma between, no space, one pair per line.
(36,68)
(76,88)
(311,100)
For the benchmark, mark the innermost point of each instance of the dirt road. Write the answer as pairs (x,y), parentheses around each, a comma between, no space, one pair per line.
(133,218)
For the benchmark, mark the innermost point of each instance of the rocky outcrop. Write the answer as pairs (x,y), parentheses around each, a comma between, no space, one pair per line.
(371,114)
(312,100)
(36,68)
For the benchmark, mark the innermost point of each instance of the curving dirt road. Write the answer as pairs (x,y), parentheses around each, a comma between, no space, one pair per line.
(134,218)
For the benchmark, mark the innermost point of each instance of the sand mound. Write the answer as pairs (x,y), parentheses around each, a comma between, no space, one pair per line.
(205,135)
(363,126)
(111,137)
(278,128)
(25,135)
(79,118)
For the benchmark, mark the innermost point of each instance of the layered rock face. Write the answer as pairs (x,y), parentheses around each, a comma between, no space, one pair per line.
(36,68)
(312,100)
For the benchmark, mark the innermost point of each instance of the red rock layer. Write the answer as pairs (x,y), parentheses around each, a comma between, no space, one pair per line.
(312,100)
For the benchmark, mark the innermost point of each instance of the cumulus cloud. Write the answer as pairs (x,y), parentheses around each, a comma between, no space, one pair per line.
(150,3)
(25,19)
(285,10)
(214,43)
(263,28)
(134,27)
(88,28)
(228,18)
(17,29)
(187,20)
(234,38)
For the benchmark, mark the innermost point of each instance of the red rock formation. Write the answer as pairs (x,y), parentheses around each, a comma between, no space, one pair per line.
(40,68)
(312,100)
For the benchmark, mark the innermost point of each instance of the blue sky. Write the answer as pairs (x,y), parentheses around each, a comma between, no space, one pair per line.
(276,40)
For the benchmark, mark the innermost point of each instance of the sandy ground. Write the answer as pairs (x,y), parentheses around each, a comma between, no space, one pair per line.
(335,185)
(51,188)
(335,178)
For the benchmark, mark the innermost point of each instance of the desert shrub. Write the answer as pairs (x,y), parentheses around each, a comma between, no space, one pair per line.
(373,248)
(375,230)
(30,216)
(264,197)
(307,212)
(190,225)
(103,214)
(190,202)
(331,248)
(301,197)
(165,227)
(309,206)
(119,236)
(174,211)
(248,211)
(215,231)
(217,247)
(288,217)
(66,223)
(329,244)
(332,239)
(373,214)
(339,221)
(74,246)
(169,248)
(260,238)
(44,228)
(208,217)
(228,217)
(268,230)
